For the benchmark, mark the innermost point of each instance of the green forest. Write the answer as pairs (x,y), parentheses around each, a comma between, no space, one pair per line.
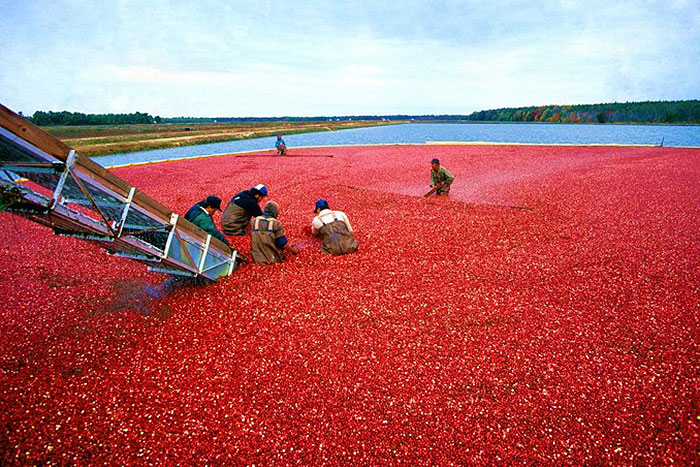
(677,112)
(76,118)
(684,112)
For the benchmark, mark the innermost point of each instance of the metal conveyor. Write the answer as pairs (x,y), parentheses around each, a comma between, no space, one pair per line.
(77,197)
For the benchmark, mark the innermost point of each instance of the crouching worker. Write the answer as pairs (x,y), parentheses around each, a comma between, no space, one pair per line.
(241,208)
(281,147)
(201,215)
(334,229)
(440,176)
(267,240)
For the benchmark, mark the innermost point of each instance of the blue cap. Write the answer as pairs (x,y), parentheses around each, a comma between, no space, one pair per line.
(321,204)
(260,188)
(435,161)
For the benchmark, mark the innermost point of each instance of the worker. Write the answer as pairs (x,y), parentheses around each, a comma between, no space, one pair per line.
(334,229)
(439,175)
(281,147)
(241,208)
(202,215)
(267,239)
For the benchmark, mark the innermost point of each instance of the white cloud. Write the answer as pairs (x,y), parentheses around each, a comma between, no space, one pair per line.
(314,58)
(359,69)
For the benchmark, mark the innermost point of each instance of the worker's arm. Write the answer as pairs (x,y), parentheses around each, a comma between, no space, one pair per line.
(206,223)
(291,248)
(316,224)
(286,246)
(449,176)
(281,241)
(255,210)
(219,235)
(346,220)
(433,181)
(249,203)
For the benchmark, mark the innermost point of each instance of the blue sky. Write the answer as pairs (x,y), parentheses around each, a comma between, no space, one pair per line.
(305,58)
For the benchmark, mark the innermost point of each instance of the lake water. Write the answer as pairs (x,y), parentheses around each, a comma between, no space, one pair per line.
(424,132)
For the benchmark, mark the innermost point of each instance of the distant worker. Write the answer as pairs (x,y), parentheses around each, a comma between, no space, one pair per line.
(241,208)
(281,147)
(267,238)
(440,177)
(334,229)
(201,215)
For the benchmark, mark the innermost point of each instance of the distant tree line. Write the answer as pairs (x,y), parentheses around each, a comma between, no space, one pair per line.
(76,118)
(628,112)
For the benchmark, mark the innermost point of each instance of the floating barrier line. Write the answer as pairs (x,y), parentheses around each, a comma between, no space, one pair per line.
(491,143)
(285,156)
(235,153)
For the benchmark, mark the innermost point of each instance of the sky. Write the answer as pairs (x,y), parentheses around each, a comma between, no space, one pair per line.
(273,58)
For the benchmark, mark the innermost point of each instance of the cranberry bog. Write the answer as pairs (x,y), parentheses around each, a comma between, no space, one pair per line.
(546,313)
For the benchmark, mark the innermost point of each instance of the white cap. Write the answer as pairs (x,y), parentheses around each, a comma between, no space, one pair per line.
(261,188)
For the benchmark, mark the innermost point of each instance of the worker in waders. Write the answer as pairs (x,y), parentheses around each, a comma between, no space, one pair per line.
(267,238)
(281,147)
(440,175)
(202,215)
(241,208)
(334,229)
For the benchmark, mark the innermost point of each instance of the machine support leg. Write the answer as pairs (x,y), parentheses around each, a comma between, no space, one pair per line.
(72,156)
(204,255)
(127,206)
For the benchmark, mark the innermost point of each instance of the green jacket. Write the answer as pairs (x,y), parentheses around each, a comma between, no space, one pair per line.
(204,221)
(442,175)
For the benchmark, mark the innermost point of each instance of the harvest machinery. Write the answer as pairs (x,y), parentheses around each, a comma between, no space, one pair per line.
(45,181)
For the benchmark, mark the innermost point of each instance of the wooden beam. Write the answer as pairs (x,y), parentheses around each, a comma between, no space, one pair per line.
(33,134)
(434,189)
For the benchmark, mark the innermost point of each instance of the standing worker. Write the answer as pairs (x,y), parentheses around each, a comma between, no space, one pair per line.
(281,147)
(335,230)
(267,239)
(201,215)
(440,176)
(241,208)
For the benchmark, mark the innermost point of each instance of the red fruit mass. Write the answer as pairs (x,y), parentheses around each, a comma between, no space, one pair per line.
(547,312)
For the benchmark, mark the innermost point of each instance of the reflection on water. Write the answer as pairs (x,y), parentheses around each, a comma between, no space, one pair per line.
(422,132)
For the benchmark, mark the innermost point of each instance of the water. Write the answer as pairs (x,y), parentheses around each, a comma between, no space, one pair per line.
(424,132)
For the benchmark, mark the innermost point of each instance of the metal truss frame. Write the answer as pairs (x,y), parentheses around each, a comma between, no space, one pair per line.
(54,186)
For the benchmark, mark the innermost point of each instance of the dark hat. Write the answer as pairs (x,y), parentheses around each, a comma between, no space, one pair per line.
(321,204)
(213,201)
(435,161)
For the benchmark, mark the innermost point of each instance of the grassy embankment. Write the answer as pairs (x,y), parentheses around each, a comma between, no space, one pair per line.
(112,139)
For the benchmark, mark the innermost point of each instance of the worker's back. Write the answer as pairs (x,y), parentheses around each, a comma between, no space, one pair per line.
(264,236)
(335,233)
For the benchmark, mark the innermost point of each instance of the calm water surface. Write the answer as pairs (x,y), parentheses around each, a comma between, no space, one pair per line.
(423,133)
